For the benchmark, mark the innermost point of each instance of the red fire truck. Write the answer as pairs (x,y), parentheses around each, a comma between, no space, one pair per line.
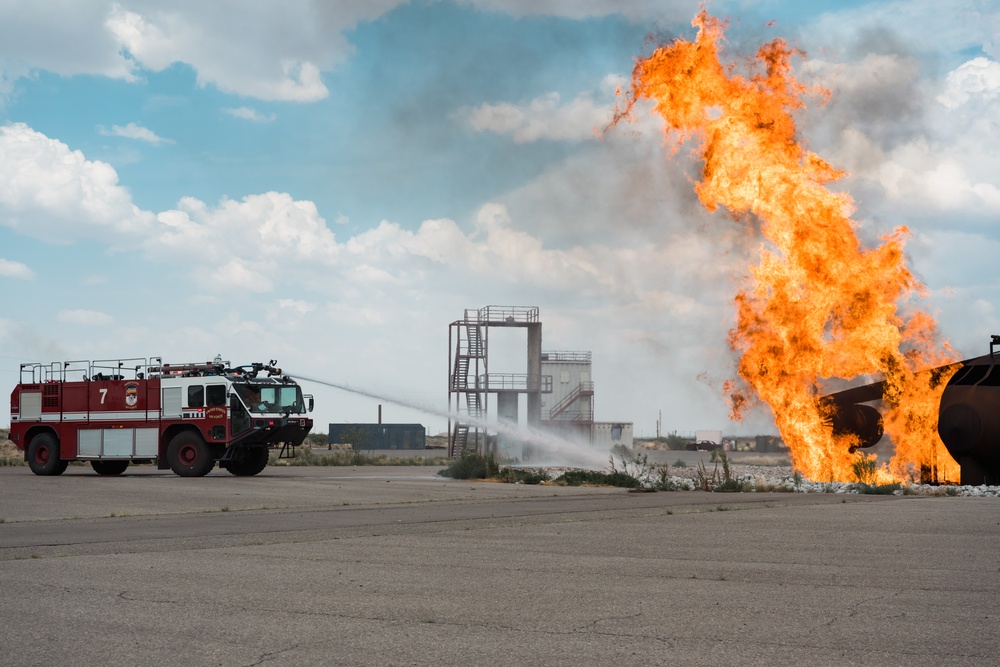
(186,417)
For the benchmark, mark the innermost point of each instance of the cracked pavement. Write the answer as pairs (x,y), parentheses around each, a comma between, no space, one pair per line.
(365,566)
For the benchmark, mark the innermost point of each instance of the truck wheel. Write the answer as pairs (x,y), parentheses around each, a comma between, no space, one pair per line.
(43,455)
(109,467)
(188,455)
(251,462)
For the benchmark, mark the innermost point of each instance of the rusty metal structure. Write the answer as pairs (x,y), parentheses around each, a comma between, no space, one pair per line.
(968,418)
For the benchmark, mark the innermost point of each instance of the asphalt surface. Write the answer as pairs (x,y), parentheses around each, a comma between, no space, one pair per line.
(394,566)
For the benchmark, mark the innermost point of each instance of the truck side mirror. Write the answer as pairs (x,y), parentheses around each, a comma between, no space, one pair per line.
(311,404)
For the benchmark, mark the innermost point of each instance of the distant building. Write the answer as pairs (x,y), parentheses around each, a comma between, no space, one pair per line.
(568,409)
(379,436)
(607,435)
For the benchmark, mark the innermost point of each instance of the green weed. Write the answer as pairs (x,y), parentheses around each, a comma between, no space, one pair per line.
(597,478)
(865,468)
(521,476)
(472,465)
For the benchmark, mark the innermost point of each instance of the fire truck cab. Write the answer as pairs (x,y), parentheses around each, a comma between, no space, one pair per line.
(186,417)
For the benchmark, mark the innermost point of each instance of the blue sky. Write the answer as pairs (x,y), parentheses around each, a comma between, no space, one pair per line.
(331,184)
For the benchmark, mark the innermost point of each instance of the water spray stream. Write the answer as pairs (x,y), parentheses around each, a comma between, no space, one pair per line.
(554,451)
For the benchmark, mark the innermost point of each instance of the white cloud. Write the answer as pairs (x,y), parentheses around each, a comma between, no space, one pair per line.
(269,226)
(544,118)
(260,50)
(263,51)
(133,131)
(74,43)
(978,78)
(916,148)
(264,242)
(52,192)
(920,24)
(581,9)
(157,39)
(297,305)
(250,114)
(237,274)
(12,269)
(87,318)
(923,175)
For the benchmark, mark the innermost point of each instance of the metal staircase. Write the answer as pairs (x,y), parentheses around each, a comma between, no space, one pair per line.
(469,361)
(560,410)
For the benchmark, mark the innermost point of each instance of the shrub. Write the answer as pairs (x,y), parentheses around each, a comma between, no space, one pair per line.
(878,489)
(472,465)
(734,486)
(521,476)
(864,468)
(596,478)
(10,455)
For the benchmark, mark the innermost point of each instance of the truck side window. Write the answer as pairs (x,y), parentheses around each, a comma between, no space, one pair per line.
(238,415)
(215,395)
(196,396)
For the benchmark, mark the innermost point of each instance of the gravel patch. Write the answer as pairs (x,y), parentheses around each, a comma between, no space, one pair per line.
(758,478)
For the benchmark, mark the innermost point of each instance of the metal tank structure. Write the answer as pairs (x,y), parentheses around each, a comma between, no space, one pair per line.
(569,409)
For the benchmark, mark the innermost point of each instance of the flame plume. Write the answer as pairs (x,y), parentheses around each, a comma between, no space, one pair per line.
(819,304)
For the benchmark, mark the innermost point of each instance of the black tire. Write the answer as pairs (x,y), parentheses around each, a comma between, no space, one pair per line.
(248,462)
(43,455)
(189,456)
(109,467)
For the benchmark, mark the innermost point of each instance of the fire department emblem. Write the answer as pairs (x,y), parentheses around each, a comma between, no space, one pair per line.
(131,395)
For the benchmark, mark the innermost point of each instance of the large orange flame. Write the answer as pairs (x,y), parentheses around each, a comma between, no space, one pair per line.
(820,305)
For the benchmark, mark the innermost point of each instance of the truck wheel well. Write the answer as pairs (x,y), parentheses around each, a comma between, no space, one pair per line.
(35,431)
(171,431)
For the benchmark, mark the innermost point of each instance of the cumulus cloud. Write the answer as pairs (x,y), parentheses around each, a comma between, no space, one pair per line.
(12,269)
(265,226)
(133,131)
(52,192)
(581,9)
(248,244)
(916,148)
(297,305)
(267,52)
(264,51)
(87,318)
(968,24)
(544,118)
(76,44)
(238,274)
(250,114)
(978,78)
(256,243)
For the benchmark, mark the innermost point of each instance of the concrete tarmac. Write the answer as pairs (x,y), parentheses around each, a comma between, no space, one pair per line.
(395,566)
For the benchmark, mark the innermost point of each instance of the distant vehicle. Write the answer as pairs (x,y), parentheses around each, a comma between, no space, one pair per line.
(186,417)
(703,446)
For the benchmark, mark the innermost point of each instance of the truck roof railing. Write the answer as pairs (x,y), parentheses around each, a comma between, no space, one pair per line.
(140,368)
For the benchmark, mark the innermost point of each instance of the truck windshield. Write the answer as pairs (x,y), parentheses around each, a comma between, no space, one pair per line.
(271,398)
